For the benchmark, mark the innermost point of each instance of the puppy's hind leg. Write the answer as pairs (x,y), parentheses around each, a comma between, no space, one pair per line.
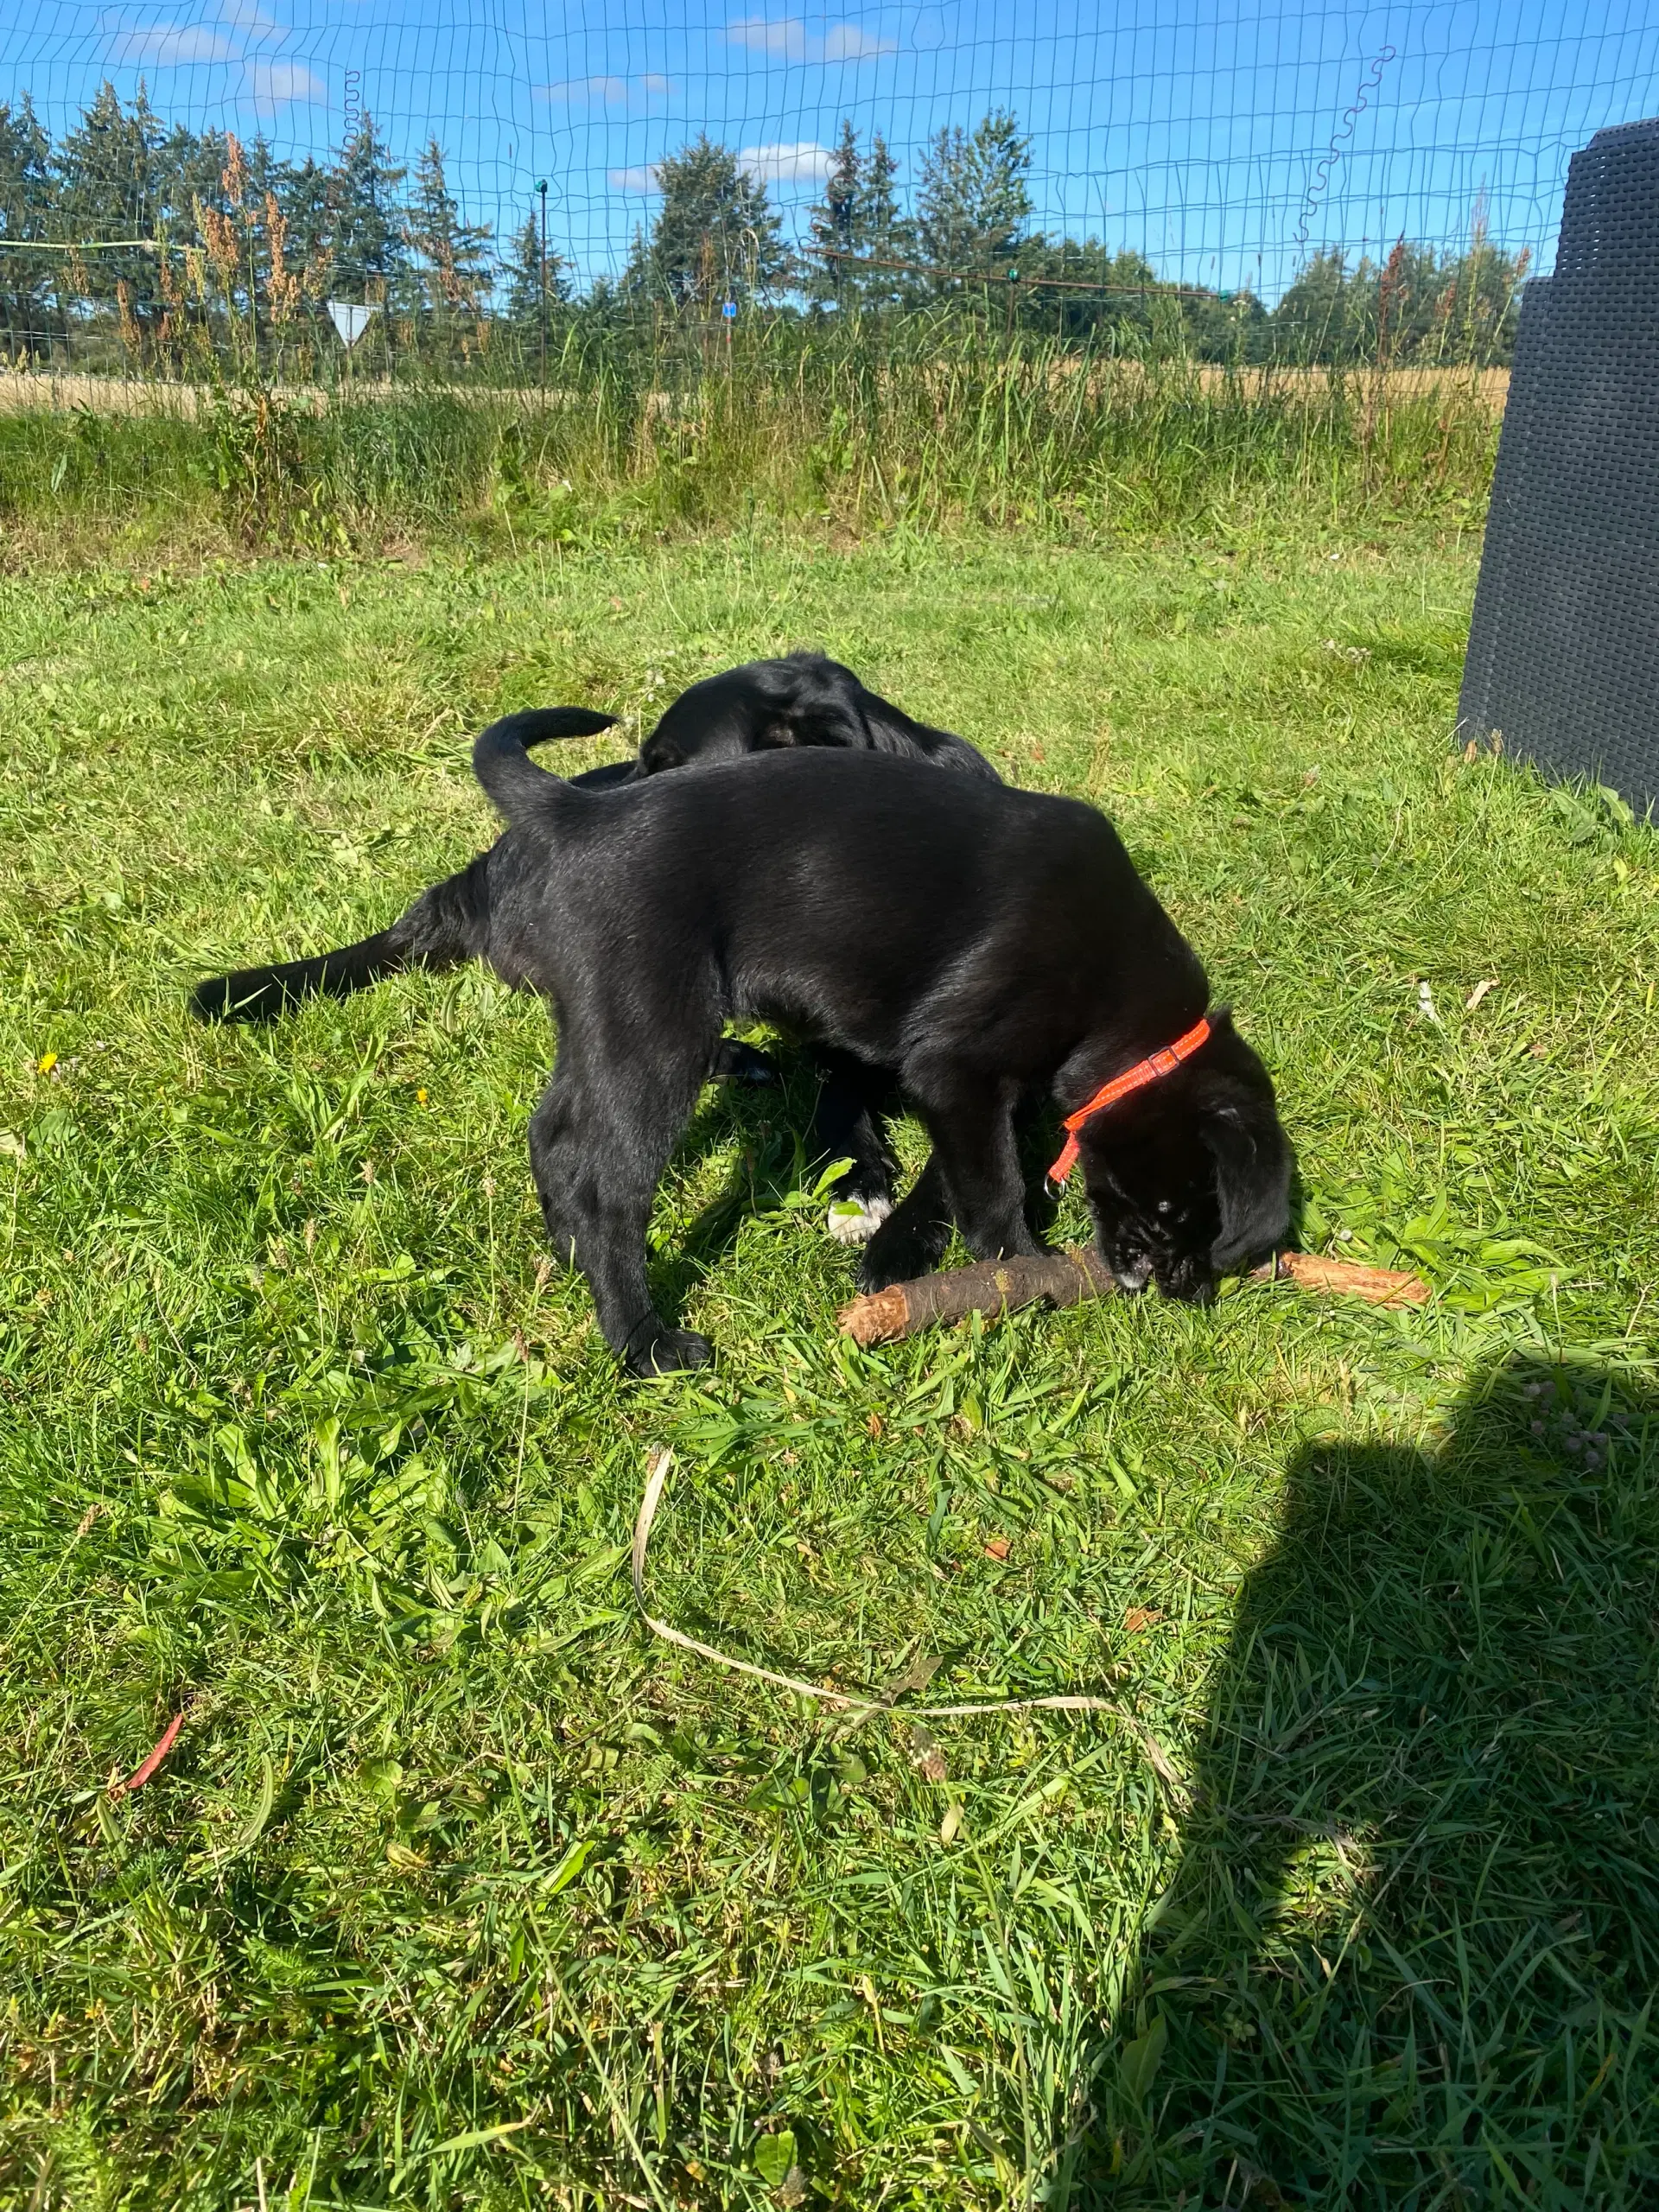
(847,1125)
(596,1171)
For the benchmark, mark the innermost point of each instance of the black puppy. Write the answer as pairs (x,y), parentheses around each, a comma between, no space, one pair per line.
(977,939)
(803,700)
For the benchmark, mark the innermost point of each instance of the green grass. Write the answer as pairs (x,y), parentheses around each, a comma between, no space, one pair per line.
(458,1889)
(932,425)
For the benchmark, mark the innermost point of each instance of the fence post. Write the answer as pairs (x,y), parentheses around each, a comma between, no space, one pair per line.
(540,271)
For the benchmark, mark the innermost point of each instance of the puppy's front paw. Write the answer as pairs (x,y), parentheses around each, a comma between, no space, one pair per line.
(854,1221)
(669,1351)
(889,1259)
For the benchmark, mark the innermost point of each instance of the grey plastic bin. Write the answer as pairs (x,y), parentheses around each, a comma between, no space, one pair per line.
(1564,647)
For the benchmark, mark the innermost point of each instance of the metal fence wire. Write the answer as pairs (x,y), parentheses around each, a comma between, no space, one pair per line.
(354,188)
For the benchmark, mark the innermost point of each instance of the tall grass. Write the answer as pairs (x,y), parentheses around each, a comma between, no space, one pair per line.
(932,424)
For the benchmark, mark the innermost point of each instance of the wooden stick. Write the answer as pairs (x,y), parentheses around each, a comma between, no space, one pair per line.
(998,1286)
(1348,1279)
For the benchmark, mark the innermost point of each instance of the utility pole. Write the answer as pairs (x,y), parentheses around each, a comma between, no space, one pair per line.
(540,271)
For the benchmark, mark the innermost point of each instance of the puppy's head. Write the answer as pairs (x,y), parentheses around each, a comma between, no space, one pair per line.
(1189,1180)
(762,707)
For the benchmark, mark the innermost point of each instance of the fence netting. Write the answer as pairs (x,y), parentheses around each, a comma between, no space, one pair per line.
(361,187)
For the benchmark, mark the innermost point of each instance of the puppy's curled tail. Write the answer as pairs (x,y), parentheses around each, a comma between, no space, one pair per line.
(510,779)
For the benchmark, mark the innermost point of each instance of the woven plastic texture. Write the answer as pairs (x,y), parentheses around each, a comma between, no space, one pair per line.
(1564,647)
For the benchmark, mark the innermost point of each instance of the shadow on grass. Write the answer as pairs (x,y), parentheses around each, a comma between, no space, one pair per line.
(1410,1954)
(773,1126)
(769,1125)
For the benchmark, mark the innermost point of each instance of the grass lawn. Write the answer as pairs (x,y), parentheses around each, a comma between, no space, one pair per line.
(457,1888)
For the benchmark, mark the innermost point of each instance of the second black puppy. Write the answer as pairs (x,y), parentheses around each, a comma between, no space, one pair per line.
(805,699)
(978,940)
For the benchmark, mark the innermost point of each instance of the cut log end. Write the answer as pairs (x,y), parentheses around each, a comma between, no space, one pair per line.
(878,1318)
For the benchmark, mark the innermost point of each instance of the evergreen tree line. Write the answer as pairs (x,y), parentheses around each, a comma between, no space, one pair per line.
(189,216)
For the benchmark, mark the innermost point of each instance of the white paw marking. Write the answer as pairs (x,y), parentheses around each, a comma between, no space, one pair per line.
(854,1221)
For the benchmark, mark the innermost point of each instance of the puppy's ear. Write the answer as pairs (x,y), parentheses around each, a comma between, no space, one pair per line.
(659,752)
(1252,1182)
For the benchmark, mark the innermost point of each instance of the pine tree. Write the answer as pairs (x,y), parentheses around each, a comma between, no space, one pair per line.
(456,276)
(715,237)
(306,195)
(973,206)
(25,200)
(832,223)
(188,171)
(109,182)
(523,270)
(882,229)
(857,222)
(368,249)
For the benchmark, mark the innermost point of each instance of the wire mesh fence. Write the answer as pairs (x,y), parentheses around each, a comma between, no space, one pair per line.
(320,193)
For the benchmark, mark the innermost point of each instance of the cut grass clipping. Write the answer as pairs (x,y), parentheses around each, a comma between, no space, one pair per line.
(456,1887)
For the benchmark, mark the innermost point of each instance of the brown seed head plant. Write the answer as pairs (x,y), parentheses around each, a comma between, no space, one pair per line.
(219,233)
(131,335)
(284,286)
(234,175)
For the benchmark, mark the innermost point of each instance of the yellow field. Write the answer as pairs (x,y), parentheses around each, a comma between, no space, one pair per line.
(25,391)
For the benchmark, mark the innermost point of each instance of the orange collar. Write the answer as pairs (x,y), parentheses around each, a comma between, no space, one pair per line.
(1135,1078)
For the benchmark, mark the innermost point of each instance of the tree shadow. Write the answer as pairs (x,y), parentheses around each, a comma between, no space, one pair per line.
(1408,1956)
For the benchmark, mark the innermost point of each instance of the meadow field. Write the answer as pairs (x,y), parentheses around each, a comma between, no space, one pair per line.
(458,1887)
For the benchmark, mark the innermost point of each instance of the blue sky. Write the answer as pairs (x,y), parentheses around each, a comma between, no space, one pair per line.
(1190,130)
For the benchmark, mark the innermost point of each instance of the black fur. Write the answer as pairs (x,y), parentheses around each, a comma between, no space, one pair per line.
(978,940)
(805,700)
(440,931)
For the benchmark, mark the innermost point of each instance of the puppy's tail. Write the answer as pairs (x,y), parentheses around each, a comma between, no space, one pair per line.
(510,779)
(447,925)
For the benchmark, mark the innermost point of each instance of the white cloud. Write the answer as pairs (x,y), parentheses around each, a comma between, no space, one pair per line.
(169,45)
(803,162)
(267,82)
(248,16)
(635,179)
(588,88)
(612,91)
(787,39)
(846,42)
(271,84)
